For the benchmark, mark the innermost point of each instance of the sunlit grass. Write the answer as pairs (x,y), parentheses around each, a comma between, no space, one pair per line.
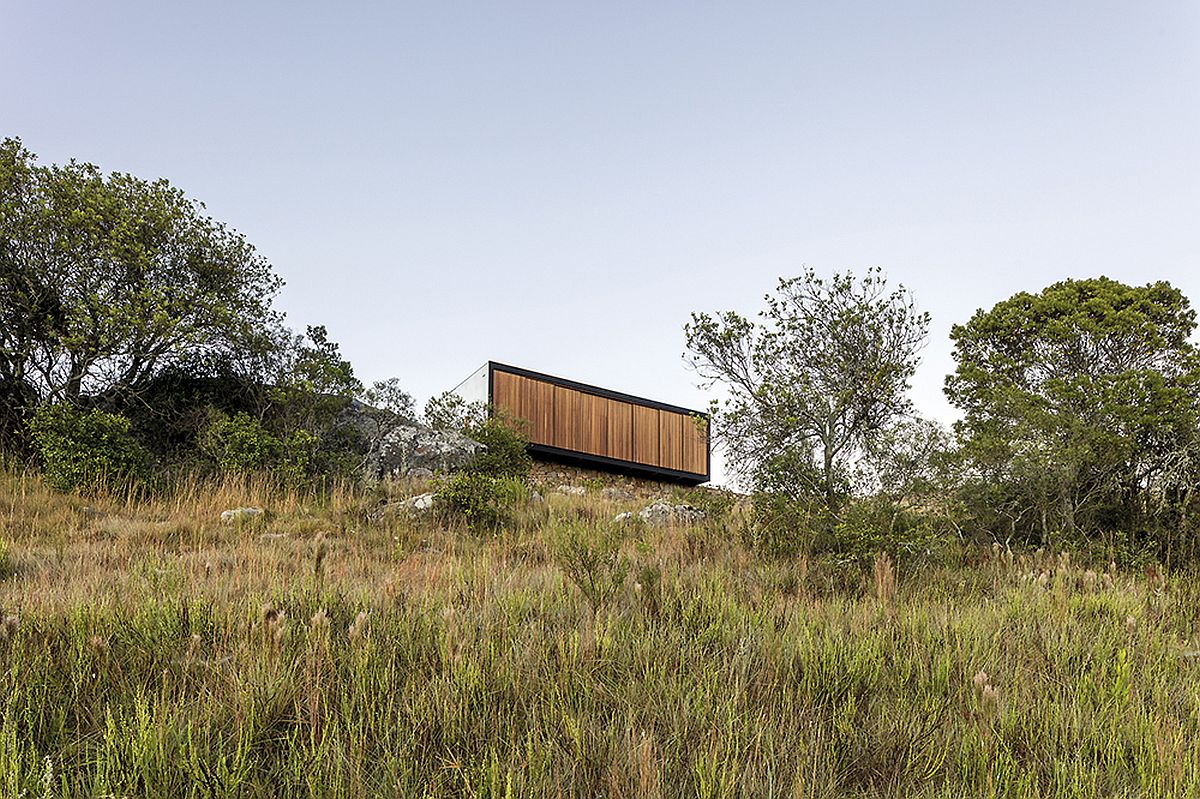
(330,650)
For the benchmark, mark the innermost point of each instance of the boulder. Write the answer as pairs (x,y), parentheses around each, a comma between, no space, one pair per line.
(238,515)
(411,506)
(420,503)
(659,513)
(397,446)
(411,450)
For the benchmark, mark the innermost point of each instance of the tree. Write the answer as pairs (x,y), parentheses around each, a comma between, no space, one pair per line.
(449,411)
(824,371)
(87,450)
(1079,400)
(108,280)
(311,381)
(907,461)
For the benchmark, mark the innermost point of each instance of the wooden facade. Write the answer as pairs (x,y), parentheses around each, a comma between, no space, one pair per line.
(577,422)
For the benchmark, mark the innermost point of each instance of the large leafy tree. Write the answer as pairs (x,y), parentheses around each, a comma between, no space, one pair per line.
(823,371)
(106,281)
(1078,402)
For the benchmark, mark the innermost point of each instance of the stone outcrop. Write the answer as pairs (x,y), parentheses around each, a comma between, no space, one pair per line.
(663,513)
(396,446)
(412,450)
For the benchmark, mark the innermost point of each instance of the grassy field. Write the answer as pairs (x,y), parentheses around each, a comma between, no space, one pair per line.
(148,650)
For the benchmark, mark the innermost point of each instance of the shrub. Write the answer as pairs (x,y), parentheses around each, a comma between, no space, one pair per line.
(782,525)
(301,452)
(590,556)
(507,453)
(86,449)
(239,443)
(717,503)
(870,526)
(483,502)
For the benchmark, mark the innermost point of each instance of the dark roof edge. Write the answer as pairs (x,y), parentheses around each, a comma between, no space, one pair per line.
(596,390)
(604,463)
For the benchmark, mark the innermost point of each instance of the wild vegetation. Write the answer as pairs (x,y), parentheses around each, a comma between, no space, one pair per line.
(1008,608)
(150,650)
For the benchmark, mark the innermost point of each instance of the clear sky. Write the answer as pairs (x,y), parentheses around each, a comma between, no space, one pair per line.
(558,185)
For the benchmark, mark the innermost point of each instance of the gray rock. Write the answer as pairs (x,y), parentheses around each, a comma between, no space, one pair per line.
(620,518)
(420,503)
(571,491)
(659,513)
(535,497)
(616,493)
(414,450)
(240,515)
(421,473)
(416,505)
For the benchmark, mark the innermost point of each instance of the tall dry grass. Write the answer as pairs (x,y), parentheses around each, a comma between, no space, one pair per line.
(146,649)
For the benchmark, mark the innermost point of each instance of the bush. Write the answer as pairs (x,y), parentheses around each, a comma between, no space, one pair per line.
(871,526)
(239,443)
(590,556)
(483,502)
(507,453)
(301,455)
(782,525)
(717,503)
(86,449)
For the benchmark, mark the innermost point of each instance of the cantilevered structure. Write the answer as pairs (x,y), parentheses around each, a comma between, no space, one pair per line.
(586,425)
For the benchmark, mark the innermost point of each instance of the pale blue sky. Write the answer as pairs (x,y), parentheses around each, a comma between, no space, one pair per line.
(558,185)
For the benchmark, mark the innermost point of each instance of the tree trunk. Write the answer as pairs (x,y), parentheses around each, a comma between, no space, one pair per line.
(830,497)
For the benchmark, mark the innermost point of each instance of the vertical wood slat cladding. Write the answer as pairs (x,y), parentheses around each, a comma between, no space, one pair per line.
(670,440)
(566,418)
(620,429)
(695,446)
(579,421)
(542,405)
(593,428)
(645,435)
(507,395)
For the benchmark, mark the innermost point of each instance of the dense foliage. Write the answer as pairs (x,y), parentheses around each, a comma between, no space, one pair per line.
(813,383)
(87,450)
(484,494)
(108,280)
(122,300)
(1080,411)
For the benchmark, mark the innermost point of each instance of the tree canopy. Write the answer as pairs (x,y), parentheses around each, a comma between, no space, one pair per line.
(1081,399)
(108,280)
(826,369)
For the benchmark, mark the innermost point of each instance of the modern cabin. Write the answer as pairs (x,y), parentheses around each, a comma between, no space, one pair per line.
(576,423)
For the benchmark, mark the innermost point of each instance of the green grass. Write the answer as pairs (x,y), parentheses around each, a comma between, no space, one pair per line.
(155,652)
